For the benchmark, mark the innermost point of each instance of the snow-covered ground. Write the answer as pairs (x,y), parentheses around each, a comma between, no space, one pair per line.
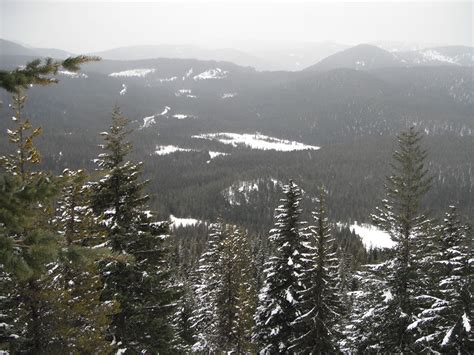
(148,121)
(169,149)
(240,192)
(216,73)
(183,222)
(72,74)
(184,92)
(166,80)
(433,55)
(372,236)
(216,154)
(257,141)
(181,116)
(139,73)
(124,90)
(188,74)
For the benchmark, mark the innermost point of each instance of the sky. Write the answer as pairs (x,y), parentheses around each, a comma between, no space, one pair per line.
(88,26)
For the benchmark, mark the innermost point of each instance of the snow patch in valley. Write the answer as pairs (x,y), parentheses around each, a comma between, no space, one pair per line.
(216,73)
(169,149)
(372,236)
(240,192)
(165,111)
(167,80)
(72,74)
(124,90)
(188,74)
(433,55)
(257,141)
(216,154)
(139,73)
(181,116)
(184,222)
(184,92)
(148,121)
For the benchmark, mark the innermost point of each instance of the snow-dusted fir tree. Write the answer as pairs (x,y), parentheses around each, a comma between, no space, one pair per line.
(28,243)
(246,294)
(318,326)
(84,318)
(235,296)
(279,300)
(446,326)
(400,216)
(142,283)
(224,292)
(206,281)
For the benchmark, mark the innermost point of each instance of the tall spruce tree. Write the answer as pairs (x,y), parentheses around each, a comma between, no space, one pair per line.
(446,326)
(142,283)
(84,318)
(279,300)
(400,216)
(28,243)
(225,293)
(318,328)
(206,282)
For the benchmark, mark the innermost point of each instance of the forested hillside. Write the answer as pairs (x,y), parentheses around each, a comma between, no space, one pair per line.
(271,169)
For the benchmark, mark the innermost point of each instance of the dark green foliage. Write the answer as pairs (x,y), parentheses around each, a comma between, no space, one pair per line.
(445,325)
(142,282)
(37,72)
(225,294)
(279,299)
(321,311)
(396,302)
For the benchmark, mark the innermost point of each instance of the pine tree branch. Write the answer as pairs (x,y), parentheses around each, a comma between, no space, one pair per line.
(38,72)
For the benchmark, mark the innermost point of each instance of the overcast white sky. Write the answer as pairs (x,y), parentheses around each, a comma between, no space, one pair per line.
(85,26)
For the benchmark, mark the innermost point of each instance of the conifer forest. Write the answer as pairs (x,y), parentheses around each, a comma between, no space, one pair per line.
(147,207)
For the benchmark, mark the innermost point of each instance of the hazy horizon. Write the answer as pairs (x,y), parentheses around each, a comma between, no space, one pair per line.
(88,26)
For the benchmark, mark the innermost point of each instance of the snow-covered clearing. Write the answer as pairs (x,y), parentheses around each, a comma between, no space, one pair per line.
(166,80)
(148,121)
(433,55)
(72,74)
(169,149)
(139,73)
(124,90)
(239,192)
(257,141)
(372,236)
(183,222)
(181,116)
(216,73)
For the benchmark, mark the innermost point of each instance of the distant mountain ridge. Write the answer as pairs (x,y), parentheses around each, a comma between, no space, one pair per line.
(328,56)
(370,57)
(12,48)
(182,52)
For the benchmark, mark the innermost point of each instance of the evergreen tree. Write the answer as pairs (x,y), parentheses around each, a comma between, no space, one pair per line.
(279,303)
(142,282)
(206,282)
(225,293)
(246,294)
(446,325)
(84,319)
(27,241)
(38,72)
(400,216)
(321,308)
